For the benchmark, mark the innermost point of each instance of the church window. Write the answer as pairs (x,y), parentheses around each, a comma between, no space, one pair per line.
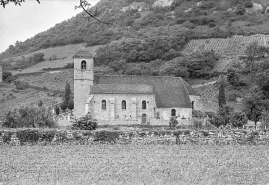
(144,104)
(83,64)
(123,104)
(103,104)
(192,104)
(173,112)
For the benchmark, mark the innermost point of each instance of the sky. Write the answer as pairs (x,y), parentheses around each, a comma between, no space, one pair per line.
(18,23)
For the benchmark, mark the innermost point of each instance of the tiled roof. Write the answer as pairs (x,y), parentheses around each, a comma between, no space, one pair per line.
(169,91)
(121,89)
(83,54)
(190,90)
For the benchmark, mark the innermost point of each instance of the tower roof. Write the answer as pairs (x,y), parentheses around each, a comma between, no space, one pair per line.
(83,53)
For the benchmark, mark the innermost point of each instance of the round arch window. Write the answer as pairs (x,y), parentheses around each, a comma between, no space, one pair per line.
(83,64)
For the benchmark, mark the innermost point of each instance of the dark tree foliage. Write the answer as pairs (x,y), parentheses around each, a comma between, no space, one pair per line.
(40,103)
(67,98)
(16,2)
(30,117)
(85,123)
(57,110)
(221,98)
(6,75)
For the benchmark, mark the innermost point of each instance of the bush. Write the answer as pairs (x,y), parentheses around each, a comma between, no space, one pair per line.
(233,95)
(212,24)
(30,117)
(63,106)
(6,75)
(107,136)
(197,123)
(238,119)
(21,85)
(85,123)
(57,110)
(248,4)
(173,122)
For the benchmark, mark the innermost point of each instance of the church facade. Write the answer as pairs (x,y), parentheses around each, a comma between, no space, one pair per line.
(128,99)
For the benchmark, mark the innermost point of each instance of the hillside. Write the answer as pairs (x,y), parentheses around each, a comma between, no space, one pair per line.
(132,19)
(188,38)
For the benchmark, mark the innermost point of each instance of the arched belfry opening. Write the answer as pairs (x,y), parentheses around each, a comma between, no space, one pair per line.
(83,64)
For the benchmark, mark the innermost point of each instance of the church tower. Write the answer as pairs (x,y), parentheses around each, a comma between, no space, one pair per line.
(83,80)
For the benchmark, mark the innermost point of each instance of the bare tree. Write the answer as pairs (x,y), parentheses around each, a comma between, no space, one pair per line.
(87,13)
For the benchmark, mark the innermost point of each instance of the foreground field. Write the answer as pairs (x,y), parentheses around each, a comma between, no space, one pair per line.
(134,164)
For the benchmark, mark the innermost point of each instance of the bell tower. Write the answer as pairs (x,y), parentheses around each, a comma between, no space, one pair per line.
(83,80)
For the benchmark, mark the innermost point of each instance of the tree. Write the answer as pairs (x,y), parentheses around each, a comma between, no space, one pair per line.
(221,98)
(254,52)
(254,104)
(30,117)
(238,119)
(40,103)
(88,13)
(67,92)
(67,99)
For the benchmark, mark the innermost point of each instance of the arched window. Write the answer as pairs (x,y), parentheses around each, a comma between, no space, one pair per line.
(83,64)
(173,112)
(192,104)
(144,104)
(123,104)
(103,104)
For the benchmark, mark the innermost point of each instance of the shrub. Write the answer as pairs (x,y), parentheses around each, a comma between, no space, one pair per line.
(40,103)
(30,117)
(248,4)
(85,123)
(197,123)
(173,122)
(107,136)
(57,110)
(21,85)
(6,75)
(212,24)
(238,119)
(63,106)
(233,95)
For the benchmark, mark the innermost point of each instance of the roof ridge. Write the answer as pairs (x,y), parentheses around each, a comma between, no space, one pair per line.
(143,76)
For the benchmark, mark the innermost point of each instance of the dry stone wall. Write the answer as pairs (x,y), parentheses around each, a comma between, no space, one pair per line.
(21,137)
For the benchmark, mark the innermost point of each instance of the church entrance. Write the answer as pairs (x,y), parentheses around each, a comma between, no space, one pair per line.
(144,118)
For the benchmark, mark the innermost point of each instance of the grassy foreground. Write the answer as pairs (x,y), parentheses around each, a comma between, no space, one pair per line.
(134,164)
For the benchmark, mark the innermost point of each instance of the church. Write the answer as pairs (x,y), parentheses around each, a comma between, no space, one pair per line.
(131,99)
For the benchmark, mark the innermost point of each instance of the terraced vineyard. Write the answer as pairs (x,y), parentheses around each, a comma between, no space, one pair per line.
(29,97)
(54,80)
(234,46)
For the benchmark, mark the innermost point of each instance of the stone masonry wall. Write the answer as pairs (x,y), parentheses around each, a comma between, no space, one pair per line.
(20,137)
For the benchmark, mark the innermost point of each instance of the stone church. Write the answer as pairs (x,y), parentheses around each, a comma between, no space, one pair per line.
(114,99)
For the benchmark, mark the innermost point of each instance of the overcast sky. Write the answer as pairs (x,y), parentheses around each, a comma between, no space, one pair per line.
(25,21)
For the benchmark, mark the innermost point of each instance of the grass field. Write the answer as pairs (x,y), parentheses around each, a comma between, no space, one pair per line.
(134,164)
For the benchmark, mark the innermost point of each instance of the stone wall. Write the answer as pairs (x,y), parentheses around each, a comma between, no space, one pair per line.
(197,105)
(114,111)
(135,135)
